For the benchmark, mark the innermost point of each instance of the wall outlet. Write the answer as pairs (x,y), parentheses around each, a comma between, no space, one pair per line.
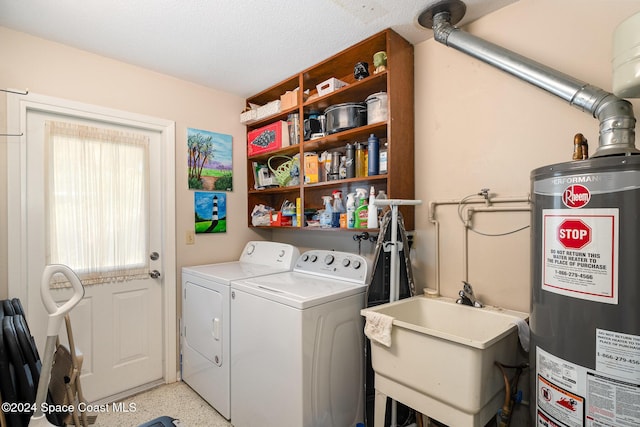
(190,237)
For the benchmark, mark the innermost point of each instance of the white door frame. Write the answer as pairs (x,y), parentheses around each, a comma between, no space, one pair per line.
(17,251)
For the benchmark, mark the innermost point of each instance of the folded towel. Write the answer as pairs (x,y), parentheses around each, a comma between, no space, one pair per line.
(378,327)
(523,332)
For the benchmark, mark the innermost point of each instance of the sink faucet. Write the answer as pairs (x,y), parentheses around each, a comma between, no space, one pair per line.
(467,297)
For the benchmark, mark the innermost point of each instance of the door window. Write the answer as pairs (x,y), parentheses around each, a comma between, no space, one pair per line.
(97,201)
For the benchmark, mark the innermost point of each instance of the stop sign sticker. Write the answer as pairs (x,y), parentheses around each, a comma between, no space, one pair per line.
(580,253)
(574,234)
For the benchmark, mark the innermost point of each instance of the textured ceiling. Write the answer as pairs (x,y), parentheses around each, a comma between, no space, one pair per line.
(239,46)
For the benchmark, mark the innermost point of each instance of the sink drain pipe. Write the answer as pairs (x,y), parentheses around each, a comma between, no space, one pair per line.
(617,122)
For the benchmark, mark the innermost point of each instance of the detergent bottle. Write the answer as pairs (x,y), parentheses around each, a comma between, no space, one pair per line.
(338,208)
(372,212)
(351,210)
(362,211)
(327,213)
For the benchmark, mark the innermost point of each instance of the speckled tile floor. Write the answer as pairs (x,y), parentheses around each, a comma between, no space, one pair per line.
(176,400)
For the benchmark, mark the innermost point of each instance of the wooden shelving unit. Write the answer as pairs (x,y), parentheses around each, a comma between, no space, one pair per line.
(398,131)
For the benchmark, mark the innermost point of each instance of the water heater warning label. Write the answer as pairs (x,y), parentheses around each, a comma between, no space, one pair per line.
(572,395)
(580,253)
(618,354)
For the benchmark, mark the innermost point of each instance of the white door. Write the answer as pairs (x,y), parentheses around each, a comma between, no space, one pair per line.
(119,327)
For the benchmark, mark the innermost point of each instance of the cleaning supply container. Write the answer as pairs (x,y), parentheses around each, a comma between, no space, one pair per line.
(326,215)
(351,210)
(362,211)
(372,211)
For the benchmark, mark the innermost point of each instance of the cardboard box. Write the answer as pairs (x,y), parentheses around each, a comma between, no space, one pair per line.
(289,100)
(268,138)
(310,168)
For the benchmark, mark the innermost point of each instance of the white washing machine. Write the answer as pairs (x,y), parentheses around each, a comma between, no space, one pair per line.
(297,344)
(206,320)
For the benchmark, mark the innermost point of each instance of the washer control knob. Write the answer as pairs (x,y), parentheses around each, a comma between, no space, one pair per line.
(329,259)
(346,262)
(281,254)
(305,258)
(356,264)
(314,258)
(250,249)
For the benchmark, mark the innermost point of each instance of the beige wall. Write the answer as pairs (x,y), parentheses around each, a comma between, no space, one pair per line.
(475,127)
(56,70)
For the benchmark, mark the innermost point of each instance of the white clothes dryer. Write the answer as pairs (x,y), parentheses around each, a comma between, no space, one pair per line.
(297,344)
(205,325)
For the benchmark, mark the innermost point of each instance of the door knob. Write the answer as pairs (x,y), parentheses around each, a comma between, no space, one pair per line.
(154,274)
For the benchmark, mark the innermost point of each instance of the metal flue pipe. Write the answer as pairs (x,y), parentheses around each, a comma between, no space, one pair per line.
(617,122)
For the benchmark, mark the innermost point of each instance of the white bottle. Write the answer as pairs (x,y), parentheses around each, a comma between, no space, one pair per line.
(372,219)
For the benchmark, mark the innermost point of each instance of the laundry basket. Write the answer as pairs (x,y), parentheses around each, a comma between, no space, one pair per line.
(283,172)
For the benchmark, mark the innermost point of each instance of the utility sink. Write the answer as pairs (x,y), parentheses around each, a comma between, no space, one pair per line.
(441,358)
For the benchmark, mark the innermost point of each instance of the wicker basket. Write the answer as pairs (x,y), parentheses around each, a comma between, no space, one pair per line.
(283,171)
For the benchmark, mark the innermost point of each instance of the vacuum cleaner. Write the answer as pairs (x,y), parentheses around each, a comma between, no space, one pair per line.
(56,317)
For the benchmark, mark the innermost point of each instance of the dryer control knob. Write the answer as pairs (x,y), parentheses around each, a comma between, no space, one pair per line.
(305,258)
(314,258)
(356,264)
(281,254)
(250,249)
(329,259)
(346,262)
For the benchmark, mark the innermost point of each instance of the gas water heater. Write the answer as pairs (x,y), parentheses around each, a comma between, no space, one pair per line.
(585,314)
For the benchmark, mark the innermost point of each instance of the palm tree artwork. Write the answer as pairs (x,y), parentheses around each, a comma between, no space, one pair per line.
(210,160)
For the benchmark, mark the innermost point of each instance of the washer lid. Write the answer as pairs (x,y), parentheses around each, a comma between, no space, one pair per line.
(225,272)
(298,290)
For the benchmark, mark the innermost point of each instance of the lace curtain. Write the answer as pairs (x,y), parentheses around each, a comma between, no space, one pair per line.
(97,204)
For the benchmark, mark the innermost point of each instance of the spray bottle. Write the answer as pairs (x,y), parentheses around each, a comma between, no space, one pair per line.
(326,214)
(372,212)
(351,210)
(338,208)
(362,211)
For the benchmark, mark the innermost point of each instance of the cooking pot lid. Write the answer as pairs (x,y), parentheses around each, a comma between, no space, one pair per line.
(346,104)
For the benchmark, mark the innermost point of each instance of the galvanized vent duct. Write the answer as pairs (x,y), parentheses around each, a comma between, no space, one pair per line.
(617,122)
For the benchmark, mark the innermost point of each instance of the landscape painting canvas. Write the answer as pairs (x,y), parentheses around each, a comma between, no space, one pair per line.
(210,212)
(210,160)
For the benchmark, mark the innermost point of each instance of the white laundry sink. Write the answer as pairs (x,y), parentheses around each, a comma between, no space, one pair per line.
(441,358)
